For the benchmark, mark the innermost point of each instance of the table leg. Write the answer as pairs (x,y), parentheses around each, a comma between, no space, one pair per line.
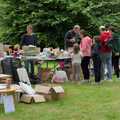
(39,73)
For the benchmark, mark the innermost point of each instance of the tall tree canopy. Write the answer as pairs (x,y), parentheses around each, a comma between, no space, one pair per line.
(52,18)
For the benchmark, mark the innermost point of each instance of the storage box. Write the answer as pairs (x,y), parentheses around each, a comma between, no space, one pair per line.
(31,50)
(50,92)
(32,98)
(57,92)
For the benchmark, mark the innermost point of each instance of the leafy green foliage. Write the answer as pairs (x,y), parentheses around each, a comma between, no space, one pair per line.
(52,18)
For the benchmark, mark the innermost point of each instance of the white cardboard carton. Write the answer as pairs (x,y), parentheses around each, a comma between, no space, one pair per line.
(50,92)
(32,98)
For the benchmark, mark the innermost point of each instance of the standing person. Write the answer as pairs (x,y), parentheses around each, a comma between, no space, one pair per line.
(71,37)
(85,47)
(76,63)
(29,38)
(96,58)
(106,52)
(115,45)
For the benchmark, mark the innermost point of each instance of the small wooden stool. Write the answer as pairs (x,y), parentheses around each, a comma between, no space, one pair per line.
(5,93)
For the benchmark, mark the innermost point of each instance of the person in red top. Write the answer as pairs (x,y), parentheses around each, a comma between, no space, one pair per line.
(104,37)
(106,52)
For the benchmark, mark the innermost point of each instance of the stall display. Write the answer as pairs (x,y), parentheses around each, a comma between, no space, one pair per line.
(9,66)
(56,56)
(34,60)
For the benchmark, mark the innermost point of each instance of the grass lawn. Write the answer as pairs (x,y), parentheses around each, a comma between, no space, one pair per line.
(82,102)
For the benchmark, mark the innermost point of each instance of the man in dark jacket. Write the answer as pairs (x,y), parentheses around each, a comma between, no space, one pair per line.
(114,43)
(72,36)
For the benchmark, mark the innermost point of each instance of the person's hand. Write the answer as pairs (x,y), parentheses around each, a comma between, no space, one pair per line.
(81,54)
(117,54)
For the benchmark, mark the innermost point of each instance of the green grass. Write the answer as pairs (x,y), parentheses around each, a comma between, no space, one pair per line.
(81,102)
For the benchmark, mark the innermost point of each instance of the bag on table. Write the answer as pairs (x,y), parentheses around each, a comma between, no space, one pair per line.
(60,77)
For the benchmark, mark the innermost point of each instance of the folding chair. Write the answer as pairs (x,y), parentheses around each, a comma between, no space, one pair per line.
(23,75)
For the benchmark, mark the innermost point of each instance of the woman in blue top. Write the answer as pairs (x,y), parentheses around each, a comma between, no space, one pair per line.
(29,38)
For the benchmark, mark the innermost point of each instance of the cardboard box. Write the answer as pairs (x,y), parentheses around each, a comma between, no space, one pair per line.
(50,92)
(32,98)
(57,92)
(44,90)
(30,50)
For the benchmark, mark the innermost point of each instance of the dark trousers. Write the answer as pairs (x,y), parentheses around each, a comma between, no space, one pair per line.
(29,65)
(115,62)
(97,67)
(85,69)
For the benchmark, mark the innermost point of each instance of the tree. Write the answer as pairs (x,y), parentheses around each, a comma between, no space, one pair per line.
(52,18)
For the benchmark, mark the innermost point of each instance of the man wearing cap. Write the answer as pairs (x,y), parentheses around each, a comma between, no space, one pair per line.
(71,37)
(106,51)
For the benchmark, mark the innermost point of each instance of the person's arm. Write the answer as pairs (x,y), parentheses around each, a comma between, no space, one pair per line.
(81,54)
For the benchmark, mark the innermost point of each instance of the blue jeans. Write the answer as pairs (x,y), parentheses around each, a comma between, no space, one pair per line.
(106,60)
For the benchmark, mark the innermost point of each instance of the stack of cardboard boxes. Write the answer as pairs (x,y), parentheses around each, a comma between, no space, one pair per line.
(44,93)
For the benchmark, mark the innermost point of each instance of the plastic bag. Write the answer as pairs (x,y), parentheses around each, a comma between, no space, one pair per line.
(60,77)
